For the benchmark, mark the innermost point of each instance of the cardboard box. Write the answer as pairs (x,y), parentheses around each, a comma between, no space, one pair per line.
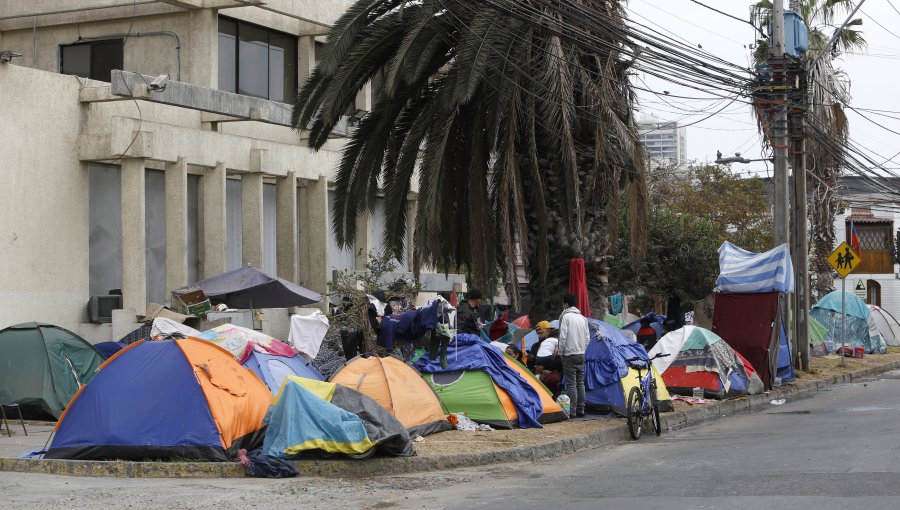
(191,302)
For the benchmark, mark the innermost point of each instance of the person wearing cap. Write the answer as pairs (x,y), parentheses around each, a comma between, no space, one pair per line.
(467,313)
(547,355)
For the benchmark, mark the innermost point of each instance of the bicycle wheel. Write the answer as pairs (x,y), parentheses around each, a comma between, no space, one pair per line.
(654,404)
(633,412)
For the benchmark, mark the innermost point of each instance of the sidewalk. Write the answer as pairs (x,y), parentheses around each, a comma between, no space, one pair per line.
(450,449)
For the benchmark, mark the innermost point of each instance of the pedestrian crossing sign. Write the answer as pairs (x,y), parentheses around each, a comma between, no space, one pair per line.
(844,260)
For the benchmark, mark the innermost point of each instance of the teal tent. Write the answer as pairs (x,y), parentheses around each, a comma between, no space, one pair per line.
(828,312)
(42,366)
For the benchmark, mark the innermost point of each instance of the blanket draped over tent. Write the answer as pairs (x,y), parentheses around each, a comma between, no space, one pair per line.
(248,287)
(468,352)
(744,271)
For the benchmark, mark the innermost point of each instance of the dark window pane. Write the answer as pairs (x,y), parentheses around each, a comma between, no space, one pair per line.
(227,55)
(282,67)
(76,59)
(253,72)
(106,56)
(319,51)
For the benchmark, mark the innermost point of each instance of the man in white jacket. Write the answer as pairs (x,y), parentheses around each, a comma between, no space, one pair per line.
(573,339)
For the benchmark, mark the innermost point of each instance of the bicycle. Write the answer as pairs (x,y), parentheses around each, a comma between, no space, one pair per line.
(642,400)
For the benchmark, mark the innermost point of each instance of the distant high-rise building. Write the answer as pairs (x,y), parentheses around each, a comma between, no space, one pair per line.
(666,143)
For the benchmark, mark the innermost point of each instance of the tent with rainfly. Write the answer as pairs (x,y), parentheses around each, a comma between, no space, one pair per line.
(164,400)
(312,415)
(698,358)
(398,388)
(488,386)
(607,377)
(856,330)
(42,366)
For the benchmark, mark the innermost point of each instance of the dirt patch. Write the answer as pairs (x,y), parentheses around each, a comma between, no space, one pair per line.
(455,442)
(823,367)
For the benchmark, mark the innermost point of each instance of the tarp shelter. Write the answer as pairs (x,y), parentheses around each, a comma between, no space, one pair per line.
(886,325)
(828,312)
(752,326)
(316,415)
(398,388)
(607,377)
(488,386)
(174,399)
(42,366)
(698,358)
(248,287)
(272,369)
(742,271)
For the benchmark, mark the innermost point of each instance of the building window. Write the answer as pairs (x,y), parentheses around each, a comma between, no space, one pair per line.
(234,224)
(876,245)
(256,61)
(155,234)
(105,229)
(270,226)
(94,60)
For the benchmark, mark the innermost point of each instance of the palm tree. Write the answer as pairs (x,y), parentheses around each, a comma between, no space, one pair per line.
(827,94)
(520,141)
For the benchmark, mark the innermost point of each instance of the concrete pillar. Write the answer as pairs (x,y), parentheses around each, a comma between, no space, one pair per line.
(306,58)
(364,239)
(212,222)
(286,226)
(176,225)
(203,50)
(315,222)
(252,219)
(134,257)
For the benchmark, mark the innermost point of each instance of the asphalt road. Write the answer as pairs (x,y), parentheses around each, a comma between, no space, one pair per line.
(836,450)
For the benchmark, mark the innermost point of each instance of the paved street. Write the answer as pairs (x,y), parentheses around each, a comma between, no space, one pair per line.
(837,450)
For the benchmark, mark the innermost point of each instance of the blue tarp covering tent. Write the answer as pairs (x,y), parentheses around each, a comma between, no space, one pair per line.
(469,352)
(272,369)
(607,378)
(656,322)
(828,312)
(743,271)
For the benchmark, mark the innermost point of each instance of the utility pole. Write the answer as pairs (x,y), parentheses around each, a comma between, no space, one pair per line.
(780,144)
(800,238)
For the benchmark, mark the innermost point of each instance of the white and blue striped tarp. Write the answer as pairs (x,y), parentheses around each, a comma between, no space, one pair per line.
(744,271)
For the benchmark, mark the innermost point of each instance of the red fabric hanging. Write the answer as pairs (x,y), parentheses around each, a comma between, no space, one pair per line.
(454,301)
(578,285)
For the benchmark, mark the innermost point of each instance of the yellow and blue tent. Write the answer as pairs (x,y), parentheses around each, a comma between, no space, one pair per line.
(316,415)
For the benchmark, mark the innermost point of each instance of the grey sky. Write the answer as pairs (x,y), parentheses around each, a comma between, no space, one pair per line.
(872,79)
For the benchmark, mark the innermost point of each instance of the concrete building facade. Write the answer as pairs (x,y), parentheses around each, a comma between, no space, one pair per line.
(665,142)
(112,182)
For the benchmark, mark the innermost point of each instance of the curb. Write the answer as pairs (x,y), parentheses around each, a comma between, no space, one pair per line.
(404,465)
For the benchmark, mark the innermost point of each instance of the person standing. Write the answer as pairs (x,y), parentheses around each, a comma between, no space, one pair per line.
(573,339)
(467,318)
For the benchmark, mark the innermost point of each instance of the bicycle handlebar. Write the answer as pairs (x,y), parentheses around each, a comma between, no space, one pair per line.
(660,355)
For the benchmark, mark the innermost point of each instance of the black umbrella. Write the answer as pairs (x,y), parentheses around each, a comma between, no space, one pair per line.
(248,287)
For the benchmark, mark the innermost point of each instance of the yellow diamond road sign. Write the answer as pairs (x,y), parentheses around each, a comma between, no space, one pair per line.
(844,260)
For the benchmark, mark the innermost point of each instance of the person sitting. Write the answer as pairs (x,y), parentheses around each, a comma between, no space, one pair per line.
(646,336)
(514,352)
(546,363)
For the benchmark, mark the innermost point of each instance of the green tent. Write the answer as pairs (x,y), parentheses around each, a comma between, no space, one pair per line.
(42,366)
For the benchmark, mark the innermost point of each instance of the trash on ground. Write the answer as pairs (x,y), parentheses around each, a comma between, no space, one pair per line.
(778,402)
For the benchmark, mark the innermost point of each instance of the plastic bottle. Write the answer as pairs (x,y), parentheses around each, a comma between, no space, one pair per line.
(565,403)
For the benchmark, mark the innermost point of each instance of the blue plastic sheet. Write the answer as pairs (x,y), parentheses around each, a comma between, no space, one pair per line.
(469,352)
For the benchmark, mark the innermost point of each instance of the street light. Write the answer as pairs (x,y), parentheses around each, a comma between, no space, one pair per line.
(736,159)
